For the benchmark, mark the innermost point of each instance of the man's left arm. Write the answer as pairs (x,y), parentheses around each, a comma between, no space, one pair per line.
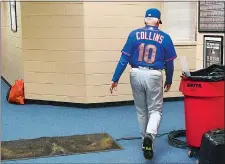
(124,59)
(121,66)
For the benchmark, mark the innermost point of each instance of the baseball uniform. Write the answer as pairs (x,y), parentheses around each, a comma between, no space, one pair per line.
(148,50)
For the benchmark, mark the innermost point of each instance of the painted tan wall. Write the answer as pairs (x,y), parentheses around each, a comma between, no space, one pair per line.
(106,31)
(11,45)
(53,50)
(70,50)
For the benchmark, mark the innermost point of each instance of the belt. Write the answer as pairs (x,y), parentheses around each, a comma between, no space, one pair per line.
(150,68)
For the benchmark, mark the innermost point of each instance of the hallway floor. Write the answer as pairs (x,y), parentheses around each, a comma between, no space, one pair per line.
(33,121)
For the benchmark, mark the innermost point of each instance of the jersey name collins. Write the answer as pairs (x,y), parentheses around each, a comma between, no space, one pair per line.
(149,36)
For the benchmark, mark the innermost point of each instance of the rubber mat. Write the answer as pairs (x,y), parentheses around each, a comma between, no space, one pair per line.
(57,146)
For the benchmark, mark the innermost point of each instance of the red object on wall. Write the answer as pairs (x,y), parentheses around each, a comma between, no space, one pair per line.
(204,108)
(16,93)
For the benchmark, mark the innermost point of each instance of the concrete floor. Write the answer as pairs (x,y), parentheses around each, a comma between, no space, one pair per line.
(33,121)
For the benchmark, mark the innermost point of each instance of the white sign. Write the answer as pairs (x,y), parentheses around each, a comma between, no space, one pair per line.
(213,50)
(12,6)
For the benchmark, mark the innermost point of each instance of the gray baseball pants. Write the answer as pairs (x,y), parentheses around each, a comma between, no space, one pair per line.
(147,88)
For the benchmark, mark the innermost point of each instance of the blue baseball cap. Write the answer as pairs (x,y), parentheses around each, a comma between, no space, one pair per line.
(155,13)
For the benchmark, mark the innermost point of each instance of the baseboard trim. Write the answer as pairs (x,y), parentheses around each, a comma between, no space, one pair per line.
(5,81)
(89,105)
(78,105)
(93,105)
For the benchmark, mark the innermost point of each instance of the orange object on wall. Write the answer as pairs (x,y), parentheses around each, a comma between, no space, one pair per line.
(16,93)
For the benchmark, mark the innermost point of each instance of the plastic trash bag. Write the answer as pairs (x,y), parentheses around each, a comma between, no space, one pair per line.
(212,73)
(15,94)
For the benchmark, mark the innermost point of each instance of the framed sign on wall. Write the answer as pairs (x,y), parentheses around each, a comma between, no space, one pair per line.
(211,16)
(13,16)
(213,52)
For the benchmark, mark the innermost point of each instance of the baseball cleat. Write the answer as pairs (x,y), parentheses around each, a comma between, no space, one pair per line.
(147,147)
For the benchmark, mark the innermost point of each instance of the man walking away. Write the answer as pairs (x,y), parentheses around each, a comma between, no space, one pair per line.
(148,50)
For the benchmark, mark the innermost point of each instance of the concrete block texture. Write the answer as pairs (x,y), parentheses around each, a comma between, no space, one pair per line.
(68,51)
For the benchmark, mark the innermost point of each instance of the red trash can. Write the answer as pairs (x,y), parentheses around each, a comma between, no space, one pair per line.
(204,109)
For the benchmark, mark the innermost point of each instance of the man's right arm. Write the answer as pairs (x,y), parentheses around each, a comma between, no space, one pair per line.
(169,60)
(169,69)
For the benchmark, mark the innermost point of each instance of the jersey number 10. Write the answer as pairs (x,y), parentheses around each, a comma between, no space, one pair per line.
(144,53)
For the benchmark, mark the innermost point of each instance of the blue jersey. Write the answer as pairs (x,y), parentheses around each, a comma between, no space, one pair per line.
(146,47)
(149,47)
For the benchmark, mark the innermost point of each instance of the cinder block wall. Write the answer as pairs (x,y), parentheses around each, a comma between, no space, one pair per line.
(106,27)
(53,51)
(11,45)
(70,50)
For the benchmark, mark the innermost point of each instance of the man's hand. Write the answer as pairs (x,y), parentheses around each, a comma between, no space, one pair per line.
(113,86)
(167,87)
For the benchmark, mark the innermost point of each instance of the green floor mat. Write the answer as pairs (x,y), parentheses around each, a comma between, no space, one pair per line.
(57,146)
